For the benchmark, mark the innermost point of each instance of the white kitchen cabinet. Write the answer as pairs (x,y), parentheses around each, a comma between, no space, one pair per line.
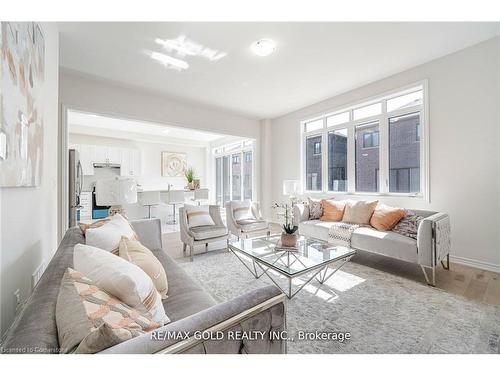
(136,163)
(114,155)
(87,159)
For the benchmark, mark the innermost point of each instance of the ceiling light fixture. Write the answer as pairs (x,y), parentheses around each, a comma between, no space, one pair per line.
(168,61)
(263,47)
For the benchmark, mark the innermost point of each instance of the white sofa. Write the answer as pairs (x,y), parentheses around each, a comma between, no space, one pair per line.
(431,247)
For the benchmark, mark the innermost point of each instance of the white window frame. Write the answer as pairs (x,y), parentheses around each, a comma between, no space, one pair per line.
(383,121)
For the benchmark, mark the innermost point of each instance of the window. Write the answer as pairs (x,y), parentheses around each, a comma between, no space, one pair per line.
(247,175)
(313,163)
(404,154)
(337,160)
(234,178)
(313,125)
(367,159)
(340,118)
(317,148)
(370,139)
(367,111)
(374,147)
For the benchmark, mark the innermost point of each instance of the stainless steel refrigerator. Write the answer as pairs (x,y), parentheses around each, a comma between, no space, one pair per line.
(75,186)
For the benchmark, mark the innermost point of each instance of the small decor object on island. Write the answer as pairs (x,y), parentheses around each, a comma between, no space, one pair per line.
(289,236)
(189,174)
(173,164)
(22,110)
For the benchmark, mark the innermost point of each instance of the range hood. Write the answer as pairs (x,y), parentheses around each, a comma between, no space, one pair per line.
(107,165)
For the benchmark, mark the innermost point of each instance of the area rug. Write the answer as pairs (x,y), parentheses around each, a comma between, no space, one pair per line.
(383,313)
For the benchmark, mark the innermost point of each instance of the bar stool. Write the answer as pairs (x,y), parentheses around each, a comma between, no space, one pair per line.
(149,199)
(200,195)
(174,198)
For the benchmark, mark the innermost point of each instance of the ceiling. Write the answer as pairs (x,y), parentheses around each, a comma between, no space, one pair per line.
(312,62)
(104,126)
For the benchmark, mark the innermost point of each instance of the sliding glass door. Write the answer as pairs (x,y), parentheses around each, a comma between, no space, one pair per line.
(233,177)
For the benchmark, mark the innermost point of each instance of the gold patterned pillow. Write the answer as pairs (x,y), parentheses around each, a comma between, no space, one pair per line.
(90,320)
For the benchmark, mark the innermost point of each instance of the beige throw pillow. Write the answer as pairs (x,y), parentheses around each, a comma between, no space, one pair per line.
(332,210)
(89,319)
(141,256)
(242,210)
(359,212)
(386,217)
(198,216)
(106,234)
(120,278)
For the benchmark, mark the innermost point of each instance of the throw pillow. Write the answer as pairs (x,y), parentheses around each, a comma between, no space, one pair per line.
(198,216)
(106,234)
(141,256)
(332,210)
(359,212)
(242,210)
(408,226)
(315,210)
(89,319)
(120,278)
(386,217)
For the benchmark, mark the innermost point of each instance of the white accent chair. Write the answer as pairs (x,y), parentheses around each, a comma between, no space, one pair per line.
(248,227)
(204,234)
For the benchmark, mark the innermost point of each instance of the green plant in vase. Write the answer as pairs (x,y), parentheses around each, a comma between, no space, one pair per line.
(289,235)
(190,177)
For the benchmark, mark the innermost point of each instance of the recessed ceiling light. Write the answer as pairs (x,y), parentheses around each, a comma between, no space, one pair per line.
(263,47)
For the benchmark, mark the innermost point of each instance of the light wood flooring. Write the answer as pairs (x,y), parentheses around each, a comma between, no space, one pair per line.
(461,280)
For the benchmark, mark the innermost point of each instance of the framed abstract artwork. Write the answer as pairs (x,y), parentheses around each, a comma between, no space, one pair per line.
(21,103)
(173,164)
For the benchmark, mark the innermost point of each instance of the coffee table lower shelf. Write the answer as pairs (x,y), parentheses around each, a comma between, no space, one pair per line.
(320,272)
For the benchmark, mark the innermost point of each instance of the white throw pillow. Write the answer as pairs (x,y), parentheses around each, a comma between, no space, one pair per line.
(242,210)
(198,216)
(107,236)
(120,278)
(359,212)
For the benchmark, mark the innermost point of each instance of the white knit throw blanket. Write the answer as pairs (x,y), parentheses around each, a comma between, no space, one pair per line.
(340,234)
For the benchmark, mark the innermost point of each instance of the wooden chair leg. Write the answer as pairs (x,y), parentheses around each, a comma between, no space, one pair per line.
(184,246)
(191,252)
(206,248)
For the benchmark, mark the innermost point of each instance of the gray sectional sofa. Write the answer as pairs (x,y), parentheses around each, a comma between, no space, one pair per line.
(431,246)
(190,308)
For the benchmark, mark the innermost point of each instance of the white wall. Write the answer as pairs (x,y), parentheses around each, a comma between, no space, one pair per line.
(151,178)
(28,232)
(96,95)
(464,146)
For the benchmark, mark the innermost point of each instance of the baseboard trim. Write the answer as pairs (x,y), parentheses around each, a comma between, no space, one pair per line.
(475,263)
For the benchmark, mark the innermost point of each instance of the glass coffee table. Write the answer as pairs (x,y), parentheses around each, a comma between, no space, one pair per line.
(313,258)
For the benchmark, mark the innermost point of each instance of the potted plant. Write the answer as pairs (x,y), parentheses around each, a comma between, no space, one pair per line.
(289,235)
(190,177)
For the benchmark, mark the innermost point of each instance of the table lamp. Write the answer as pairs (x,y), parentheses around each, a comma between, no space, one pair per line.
(291,188)
(116,192)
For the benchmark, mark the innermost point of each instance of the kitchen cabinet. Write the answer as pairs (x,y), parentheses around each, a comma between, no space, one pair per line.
(128,159)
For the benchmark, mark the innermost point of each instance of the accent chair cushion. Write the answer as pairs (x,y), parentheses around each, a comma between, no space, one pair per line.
(242,210)
(198,216)
(386,217)
(136,253)
(106,234)
(332,210)
(249,225)
(120,278)
(206,232)
(90,320)
(359,212)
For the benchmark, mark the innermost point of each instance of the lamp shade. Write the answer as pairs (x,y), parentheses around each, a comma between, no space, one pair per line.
(115,192)
(291,187)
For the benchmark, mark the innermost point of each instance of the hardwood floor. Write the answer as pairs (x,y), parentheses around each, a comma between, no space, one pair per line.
(469,282)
